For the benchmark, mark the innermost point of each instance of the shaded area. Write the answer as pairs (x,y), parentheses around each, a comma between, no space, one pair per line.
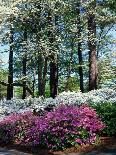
(21,150)
(102,152)
(4,151)
(107,146)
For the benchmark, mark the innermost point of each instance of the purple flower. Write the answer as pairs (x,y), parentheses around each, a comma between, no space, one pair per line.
(78,140)
(57,129)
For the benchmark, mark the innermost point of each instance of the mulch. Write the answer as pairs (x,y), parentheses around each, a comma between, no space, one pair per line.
(105,143)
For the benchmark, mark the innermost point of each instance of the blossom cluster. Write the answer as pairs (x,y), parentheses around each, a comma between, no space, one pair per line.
(65,126)
(70,98)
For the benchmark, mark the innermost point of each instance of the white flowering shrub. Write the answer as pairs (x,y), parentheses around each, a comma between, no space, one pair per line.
(99,96)
(94,96)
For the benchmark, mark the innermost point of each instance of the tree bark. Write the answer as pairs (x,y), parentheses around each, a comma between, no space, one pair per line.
(53,77)
(33,87)
(93,70)
(40,68)
(42,71)
(24,65)
(40,59)
(10,67)
(44,74)
(53,60)
(80,67)
(80,57)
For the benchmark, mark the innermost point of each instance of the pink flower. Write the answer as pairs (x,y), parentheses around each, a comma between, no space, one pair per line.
(78,140)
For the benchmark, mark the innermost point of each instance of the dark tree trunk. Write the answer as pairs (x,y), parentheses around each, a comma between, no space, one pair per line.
(10,68)
(24,66)
(44,75)
(70,62)
(80,47)
(33,87)
(42,72)
(53,78)
(80,67)
(93,70)
(53,60)
(40,81)
(40,58)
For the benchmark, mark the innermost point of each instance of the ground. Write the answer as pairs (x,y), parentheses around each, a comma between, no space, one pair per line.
(107,147)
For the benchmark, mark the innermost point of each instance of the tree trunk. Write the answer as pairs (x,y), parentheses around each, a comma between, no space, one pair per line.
(24,66)
(40,58)
(80,48)
(33,87)
(80,67)
(53,78)
(10,67)
(93,70)
(53,60)
(42,71)
(40,81)
(44,75)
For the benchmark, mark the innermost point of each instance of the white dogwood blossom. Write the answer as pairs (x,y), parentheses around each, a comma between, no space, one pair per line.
(100,96)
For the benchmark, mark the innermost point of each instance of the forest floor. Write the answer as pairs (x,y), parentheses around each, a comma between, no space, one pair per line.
(106,147)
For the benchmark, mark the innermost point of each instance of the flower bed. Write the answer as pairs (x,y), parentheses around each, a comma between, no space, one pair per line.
(101,96)
(103,100)
(65,126)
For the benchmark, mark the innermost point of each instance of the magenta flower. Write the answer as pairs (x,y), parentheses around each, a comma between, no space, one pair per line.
(63,127)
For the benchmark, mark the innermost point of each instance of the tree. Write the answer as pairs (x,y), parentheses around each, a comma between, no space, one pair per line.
(24,66)
(53,57)
(79,27)
(10,68)
(51,40)
(93,70)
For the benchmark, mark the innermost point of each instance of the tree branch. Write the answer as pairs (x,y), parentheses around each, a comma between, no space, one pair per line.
(18,85)
(3,83)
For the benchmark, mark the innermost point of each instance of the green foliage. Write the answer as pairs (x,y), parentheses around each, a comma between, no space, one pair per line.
(18,92)
(71,84)
(3,78)
(107,74)
(47,91)
(107,112)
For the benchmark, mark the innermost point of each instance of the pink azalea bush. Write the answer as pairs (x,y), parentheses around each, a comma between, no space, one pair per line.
(15,124)
(65,126)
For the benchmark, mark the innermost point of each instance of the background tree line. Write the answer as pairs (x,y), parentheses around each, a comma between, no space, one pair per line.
(56,45)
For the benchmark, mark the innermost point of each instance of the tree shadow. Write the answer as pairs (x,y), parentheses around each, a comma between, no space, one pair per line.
(102,152)
(26,150)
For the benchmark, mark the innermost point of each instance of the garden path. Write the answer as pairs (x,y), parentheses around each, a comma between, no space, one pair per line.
(108,151)
(4,151)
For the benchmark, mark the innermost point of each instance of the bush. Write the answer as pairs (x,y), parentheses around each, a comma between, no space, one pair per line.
(68,98)
(13,128)
(65,126)
(107,112)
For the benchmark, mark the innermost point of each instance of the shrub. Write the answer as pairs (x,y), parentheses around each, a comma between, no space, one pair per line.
(65,126)
(107,112)
(15,126)
(68,98)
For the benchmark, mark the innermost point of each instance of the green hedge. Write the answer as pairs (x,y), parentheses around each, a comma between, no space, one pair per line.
(107,112)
